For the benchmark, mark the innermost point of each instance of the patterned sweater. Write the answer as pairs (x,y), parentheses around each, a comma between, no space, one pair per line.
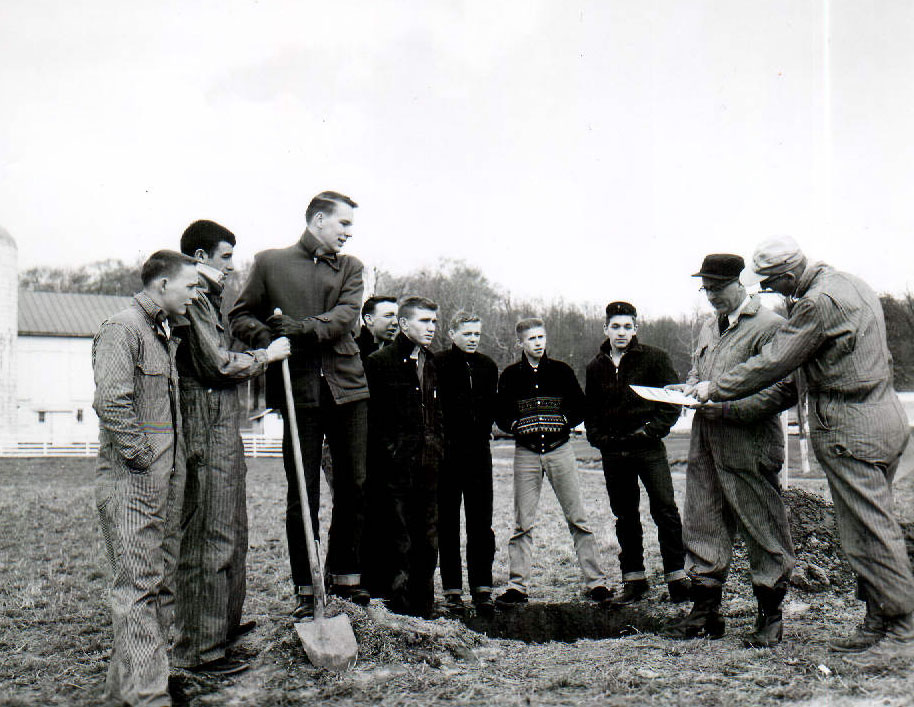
(539,406)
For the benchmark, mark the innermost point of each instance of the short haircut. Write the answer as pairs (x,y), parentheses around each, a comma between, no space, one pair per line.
(463,317)
(326,202)
(164,263)
(206,235)
(526,324)
(615,309)
(371,304)
(410,304)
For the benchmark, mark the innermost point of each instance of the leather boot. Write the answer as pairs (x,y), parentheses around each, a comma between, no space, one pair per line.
(895,648)
(871,631)
(704,619)
(769,626)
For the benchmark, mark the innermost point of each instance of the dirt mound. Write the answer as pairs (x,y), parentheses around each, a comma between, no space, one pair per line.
(820,563)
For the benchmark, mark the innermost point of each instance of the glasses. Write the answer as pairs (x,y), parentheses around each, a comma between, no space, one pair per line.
(716,288)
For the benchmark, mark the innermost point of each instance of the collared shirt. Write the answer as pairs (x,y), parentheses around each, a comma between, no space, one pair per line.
(155,313)
(733,317)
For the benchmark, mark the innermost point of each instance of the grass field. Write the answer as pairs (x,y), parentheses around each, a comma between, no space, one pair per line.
(55,633)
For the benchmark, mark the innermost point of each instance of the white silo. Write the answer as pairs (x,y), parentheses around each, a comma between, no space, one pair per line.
(9,330)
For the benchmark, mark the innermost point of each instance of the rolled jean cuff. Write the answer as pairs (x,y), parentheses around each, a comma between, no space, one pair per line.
(635,576)
(452,592)
(479,590)
(346,580)
(304,590)
(674,576)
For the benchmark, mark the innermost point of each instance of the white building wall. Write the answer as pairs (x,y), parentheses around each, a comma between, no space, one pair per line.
(55,383)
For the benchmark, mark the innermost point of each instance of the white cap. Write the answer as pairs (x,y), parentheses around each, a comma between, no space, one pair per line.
(773,256)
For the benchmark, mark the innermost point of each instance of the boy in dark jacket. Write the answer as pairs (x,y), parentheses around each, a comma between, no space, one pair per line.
(468,380)
(629,432)
(406,441)
(540,401)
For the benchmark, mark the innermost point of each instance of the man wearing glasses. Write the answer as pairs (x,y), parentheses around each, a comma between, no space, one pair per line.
(836,335)
(735,454)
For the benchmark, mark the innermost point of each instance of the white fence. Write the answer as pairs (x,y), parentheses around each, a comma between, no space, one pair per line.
(254,446)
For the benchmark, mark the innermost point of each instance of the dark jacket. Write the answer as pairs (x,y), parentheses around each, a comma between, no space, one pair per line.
(614,410)
(468,384)
(366,343)
(405,419)
(325,292)
(539,406)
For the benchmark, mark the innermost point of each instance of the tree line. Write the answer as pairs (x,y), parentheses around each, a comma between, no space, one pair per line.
(575,330)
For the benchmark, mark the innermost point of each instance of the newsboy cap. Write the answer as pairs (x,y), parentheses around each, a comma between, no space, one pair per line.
(620,308)
(772,257)
(721,266)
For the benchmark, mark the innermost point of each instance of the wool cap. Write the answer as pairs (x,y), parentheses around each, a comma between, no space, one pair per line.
(772,257)
(620,308)
(721,266)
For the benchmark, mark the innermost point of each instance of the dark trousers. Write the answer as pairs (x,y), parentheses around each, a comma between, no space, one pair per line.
(413,522)
(466,475)
(346,429)
(622,469)
(377,564)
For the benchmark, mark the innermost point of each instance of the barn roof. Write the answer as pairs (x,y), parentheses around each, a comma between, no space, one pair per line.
(65,313)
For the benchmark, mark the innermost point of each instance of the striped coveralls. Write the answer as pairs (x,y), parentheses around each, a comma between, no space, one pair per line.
(138,491)
(731,480)
(211,569)
(836,333)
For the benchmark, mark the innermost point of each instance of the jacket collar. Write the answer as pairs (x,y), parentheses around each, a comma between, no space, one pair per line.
(405,346)
(154,313)
(635,346)
(526,361)
(811,272)
(309,244)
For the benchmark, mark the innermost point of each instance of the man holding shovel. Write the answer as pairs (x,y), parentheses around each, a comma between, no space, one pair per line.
(319,292)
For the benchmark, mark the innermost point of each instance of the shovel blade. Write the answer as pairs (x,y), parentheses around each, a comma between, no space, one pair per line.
(329,643)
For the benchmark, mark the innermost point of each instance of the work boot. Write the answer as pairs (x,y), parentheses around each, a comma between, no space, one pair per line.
(599,594)
(769,626)
(871,631)
(511,598)
(454,604)
(304,605)
(632,591)
(704,619)
(680,590)
(355,594)
(240,630)
(485,607)
(221,666)
(895,647)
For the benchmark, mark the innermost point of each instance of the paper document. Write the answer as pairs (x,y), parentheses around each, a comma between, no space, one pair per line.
(662,395)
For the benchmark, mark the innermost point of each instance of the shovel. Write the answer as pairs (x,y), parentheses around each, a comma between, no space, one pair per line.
(329,643)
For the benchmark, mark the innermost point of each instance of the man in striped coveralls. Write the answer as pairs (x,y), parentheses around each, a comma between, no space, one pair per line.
(540,402)
(211,568)
(139,480)
(735,454)
(836,335)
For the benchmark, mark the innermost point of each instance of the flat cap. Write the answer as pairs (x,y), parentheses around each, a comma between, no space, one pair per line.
(614,309)
(721,266)
(772,257)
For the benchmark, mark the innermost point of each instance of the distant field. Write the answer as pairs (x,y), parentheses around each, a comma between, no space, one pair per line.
(55,633)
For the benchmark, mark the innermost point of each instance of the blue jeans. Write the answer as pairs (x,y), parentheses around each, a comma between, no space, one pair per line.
(622,469)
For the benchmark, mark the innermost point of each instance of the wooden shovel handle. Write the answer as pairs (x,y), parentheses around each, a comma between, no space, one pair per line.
(314,560)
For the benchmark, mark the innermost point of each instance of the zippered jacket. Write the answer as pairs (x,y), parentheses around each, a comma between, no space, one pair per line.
(614,410)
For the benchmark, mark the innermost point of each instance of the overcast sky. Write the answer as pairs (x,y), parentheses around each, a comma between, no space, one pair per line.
(587,150)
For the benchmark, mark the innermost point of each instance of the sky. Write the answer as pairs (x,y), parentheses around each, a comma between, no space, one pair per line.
(583,150)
